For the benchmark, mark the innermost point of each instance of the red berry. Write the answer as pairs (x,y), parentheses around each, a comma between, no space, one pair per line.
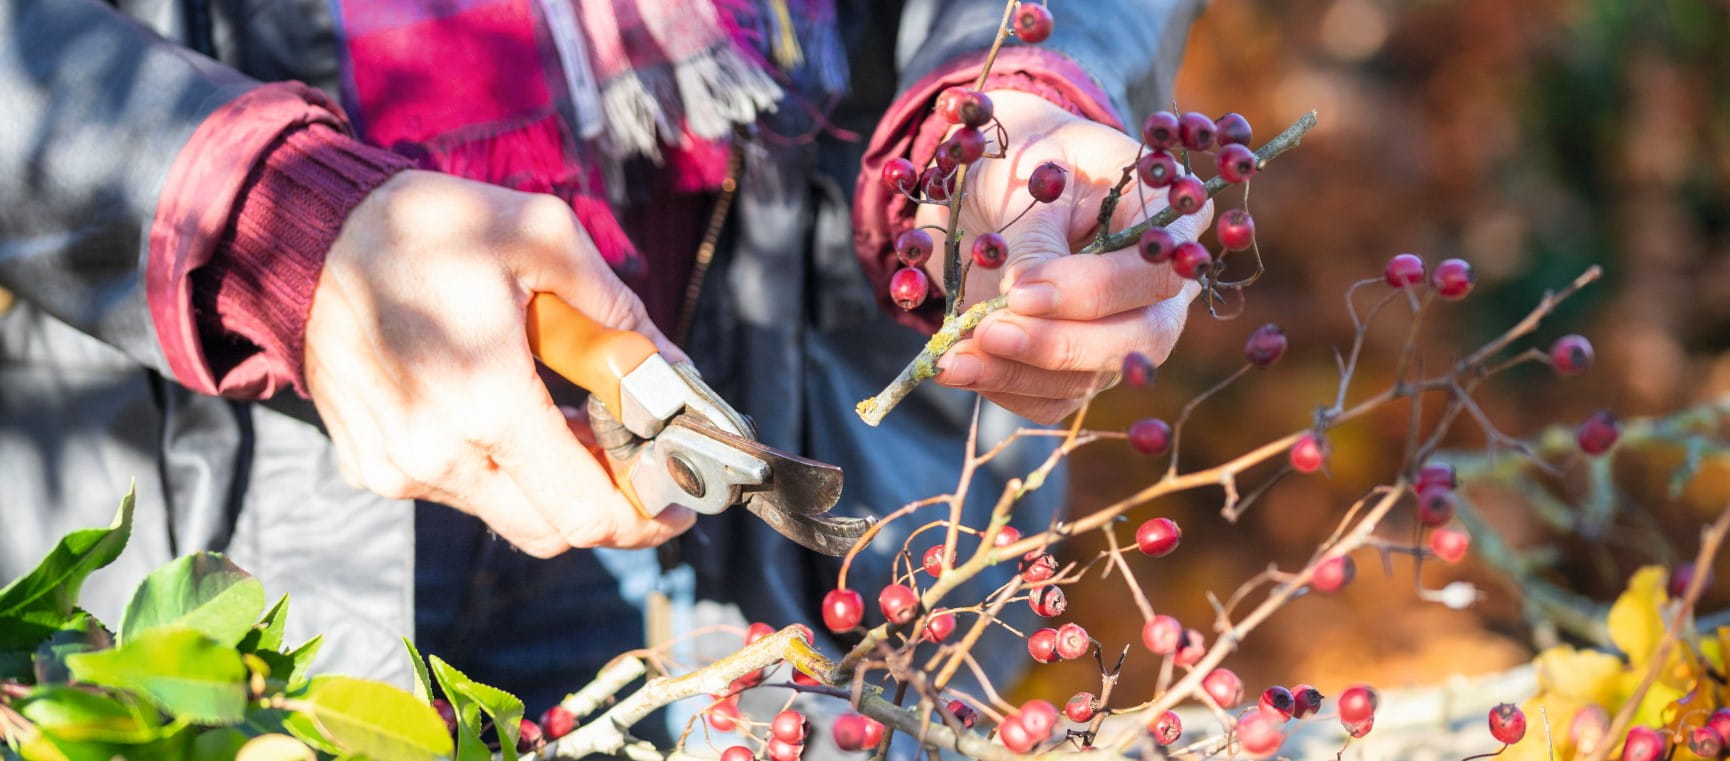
(528,736)
(1038,717)
(1157,537)
(873,732)
(1591,725)
(1599,433)
(1571,354)
(1719,721)
(745,682)
(1161,131)
(1158,169)
(1042,645)
(781,750)
(1404,270)
(1191,650)
(1048,601)
(1453,279)
(1162,635)
(1156,245)
(933,561)
(1187,194)
(1705,742)
(1037,566)
(1015,736)
(900,175)
(899,603)
(909,287)
(1236,163)
(1643,744)
(963,713)
(738,753)
(556,722)
(447,713)
(1151,436)
(1235,230)
(757,631)
(939,626)
(1357,729)
(805,680)
(1450,544)
(1079,709)
(1006,536)
(1358,703)
(1197,131)
(1437,474)
(1191,260)
(1233,129)
(1032,22)
(1309,453)
(963,147)
(1507,723)
(1223,686)
(1138,370)
(1278,700)
(959,105)
(1260,734)
(990,251)
(913,246)
(1072,641)
(1435,505)
(1306,700)
(789,726)
(1166,729)
(843,609)
(936,184)
(1047,181)
(724,716)
(1334,573)
(848,732)
(1265,346)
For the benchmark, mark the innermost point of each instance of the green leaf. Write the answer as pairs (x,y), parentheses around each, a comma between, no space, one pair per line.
(267,633)
(300,661)
(181,670)
(75,715)
(34,605)
(470,698)
(376,720)
(83,634)
(422,682)
(303,728)
(219,744)
(202,591)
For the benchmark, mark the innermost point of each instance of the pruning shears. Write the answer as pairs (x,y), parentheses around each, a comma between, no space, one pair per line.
(668,439)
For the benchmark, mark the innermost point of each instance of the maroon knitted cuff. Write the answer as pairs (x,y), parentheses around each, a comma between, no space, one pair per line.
(251,299)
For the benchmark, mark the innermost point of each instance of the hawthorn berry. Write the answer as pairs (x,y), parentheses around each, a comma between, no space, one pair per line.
(1450,544)
(1453,279)
(848,732)
(990,251)
(1357,729)
(1006,536)
(446,713)
(1599,433)
(843,609)
(745,682)
(1191,260)
(937,184)
(913,246)
(1265,346)
(1278,700)
(1166,729)
(1157,169)
(1032,22)
(1309,453)
(873,732)
(1187,194)
(1404,270)
(1048,601)
(805,680)
(1437,474)
(1038,717)
(1643,744)
(1080,708)
(1072,641)
(724,716)
(1161,131)
(909,287)
(1571,354)
(1047,181)
(900,175)
(1235,230)
(738,753)
(1232,129)
(1138,370)
(556,722)
(1042,645)
(1705,742)
(1260,734)
(1191,649)
(1357,703)
(781,750)
(1162,635)
(528,736)
(1037,566)
(1591,725)
(1157,537)
(1015,736)
(1156,245)
(933,561)
(959,105)
(1306,700)
(939,626)
(1150,436)
(1334,573)
(757,631)
(963,713)
(1236,163)
(1683,575)
(963,147)
(1196,130)
(1435,505)
(899,603)
(1223,685)
(788,726)
(1507,723)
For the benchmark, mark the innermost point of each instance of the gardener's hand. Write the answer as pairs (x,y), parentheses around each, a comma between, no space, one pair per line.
(1071,319)
(418,361)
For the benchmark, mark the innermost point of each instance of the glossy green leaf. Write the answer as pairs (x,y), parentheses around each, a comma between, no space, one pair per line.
(181,670)
(422,682)
(300,661)
(34,605)
(376,720)
(303,728)
(470,699)
(202,591)
(76,715)
(266,635)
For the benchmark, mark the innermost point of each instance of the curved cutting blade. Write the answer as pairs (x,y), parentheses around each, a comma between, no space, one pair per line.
(796,496)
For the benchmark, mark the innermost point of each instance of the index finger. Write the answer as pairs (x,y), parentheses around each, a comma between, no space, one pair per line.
(1092,287)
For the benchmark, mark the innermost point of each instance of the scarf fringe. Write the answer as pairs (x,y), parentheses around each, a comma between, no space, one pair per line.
(721,88)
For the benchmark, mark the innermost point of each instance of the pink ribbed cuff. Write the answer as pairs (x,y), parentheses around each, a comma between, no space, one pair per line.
(911,129)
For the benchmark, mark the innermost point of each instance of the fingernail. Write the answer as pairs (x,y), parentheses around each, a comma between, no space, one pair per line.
(1033,299)
(958,370)
(1004,339)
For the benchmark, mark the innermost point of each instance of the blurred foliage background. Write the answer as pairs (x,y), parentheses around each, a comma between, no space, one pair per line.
(1533,138)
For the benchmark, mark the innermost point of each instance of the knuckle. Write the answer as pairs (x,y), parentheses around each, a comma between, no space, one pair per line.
(387,480)
(547,220)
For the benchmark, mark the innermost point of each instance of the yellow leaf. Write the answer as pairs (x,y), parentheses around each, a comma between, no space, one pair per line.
(1585,676)
(1561,711)
(1651,710)
(1637,620)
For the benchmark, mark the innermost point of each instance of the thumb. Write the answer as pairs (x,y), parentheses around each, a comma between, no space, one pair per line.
(1040,236)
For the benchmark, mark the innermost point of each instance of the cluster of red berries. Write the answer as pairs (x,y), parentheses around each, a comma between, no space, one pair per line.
(844,609)
(1228,137)
(1028,726)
